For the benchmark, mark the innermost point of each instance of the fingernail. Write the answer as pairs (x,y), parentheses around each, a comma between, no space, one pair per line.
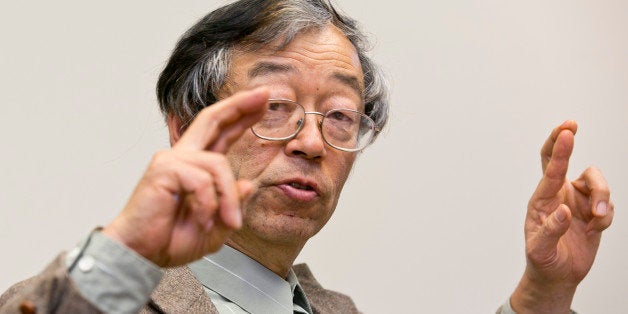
(238,216)
(561,215)
(601,208)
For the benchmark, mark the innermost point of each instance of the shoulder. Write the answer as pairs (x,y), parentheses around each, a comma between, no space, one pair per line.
(321,299)
(53,275)
(16,289)
(49,291)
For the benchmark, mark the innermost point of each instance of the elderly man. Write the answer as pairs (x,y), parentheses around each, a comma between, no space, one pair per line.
(268,104)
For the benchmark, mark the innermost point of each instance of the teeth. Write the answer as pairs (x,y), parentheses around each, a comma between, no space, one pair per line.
(299,186)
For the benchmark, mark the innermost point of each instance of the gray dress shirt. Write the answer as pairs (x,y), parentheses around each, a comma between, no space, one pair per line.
(237,283)
(117,280)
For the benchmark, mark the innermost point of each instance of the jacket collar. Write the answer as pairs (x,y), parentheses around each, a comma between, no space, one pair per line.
(180,292)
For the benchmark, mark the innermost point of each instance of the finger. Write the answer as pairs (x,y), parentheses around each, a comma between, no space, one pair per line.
(203,212)
(205,241)
(171,172)
(218,125)
(542,248)
(593,184)
(548,146)
(556,171)
(220,170)
(216,237)
(197,192)
(599,224)
(245,190)
(232,132)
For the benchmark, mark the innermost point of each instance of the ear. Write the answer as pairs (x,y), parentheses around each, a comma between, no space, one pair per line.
(175,128)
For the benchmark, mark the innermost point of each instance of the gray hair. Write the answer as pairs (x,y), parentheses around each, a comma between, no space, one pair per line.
(197,68)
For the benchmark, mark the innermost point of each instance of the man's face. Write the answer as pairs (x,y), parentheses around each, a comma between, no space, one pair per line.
(297,182)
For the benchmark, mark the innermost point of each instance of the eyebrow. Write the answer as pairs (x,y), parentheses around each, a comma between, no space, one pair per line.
(265,67)
(351,81)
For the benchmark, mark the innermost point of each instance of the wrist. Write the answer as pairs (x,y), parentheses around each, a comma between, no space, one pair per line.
(126,238)
(532,296)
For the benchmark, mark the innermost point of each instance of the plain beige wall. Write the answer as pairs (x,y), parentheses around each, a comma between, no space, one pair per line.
(432,216)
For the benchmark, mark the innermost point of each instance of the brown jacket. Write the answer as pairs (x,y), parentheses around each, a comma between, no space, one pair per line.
(178,292)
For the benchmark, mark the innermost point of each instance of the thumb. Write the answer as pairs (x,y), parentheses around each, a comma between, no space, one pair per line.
(544,246)
(245,189)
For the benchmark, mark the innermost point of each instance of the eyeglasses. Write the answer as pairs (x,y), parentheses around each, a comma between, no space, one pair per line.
(343,129)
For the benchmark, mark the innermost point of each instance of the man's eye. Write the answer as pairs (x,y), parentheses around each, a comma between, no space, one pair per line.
(340,116)
(277,106)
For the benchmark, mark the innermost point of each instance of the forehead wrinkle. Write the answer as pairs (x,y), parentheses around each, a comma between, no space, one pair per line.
(266,67)
(348,78)
(323,55)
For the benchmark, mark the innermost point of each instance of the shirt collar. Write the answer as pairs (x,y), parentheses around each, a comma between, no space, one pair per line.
(299,300)
(246,282)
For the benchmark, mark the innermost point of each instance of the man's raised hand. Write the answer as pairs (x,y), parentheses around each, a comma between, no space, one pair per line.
(562,229)
(188,200)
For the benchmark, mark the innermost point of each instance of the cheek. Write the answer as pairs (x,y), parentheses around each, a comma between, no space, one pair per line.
(338,170)
(347,165)
(249,157)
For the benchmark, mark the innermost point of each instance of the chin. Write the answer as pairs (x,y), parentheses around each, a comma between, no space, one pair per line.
(284,229)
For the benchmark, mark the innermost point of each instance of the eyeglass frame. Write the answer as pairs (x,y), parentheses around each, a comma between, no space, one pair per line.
(320,126)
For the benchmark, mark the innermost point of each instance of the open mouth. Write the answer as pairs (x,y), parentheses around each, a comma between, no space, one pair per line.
(300,190)
(301,186)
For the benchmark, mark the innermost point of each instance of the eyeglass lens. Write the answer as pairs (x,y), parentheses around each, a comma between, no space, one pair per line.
(344,129)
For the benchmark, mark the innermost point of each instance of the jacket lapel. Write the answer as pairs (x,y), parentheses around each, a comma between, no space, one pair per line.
(179,292)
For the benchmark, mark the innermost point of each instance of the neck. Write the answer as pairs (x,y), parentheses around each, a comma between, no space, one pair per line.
(276,257)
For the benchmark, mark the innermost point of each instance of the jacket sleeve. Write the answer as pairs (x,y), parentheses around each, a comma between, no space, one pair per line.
(51,291)
(98,275)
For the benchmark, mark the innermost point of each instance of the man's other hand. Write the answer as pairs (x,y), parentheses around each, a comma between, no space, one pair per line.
(563,227)
(188,201)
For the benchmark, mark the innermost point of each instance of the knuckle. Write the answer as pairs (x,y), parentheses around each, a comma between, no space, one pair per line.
(590,170)
(207,115)
(205,181)
(205,112)
(531,253)
(602,224)
(535,203)
(223,161)
(220,161)
(212,202)
(602,189)
(161,157)
(158,169)
(205,201)
(206,205)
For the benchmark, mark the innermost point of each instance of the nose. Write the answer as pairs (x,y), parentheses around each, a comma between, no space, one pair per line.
(308,143)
